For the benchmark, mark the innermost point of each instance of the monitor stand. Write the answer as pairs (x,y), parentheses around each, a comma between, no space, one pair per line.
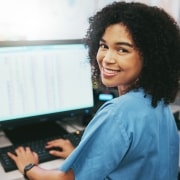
(32,132)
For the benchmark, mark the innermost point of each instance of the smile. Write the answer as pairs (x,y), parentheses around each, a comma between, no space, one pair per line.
(110,72)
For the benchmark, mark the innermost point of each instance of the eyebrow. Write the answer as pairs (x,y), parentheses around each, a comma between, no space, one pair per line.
(120,43)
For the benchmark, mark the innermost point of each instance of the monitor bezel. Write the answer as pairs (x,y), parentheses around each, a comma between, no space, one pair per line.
(39,42)
(56,116)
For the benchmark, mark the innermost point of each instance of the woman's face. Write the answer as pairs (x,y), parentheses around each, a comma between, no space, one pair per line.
(119,61)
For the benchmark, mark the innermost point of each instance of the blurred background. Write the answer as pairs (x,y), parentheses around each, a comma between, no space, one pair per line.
(57,19)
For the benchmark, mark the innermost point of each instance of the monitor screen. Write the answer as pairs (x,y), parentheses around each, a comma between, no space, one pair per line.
(43,80)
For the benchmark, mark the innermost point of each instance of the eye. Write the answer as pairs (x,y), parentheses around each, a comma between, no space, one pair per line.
(103,46)
(122,50)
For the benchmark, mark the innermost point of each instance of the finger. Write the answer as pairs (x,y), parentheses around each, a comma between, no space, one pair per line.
(55,141)
(36,156)
(53,145)
(19,150)
(57,153)
(27,149)
(67,141)
(11,155)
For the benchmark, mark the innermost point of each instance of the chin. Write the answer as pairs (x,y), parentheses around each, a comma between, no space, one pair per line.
(110,85)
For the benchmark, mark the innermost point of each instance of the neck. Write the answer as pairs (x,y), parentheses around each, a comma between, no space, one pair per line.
(122,90)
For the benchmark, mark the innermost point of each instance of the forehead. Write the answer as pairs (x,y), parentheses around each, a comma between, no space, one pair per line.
(117,32)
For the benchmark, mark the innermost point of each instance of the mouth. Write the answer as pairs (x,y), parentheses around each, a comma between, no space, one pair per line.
(110,72)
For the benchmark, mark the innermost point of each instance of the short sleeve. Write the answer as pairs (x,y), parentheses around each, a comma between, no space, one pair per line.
(104,144)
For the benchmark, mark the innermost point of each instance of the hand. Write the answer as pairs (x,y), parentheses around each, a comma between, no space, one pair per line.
(23,157)
(65,146)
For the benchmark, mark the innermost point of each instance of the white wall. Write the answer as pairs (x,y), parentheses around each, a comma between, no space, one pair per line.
(57,19)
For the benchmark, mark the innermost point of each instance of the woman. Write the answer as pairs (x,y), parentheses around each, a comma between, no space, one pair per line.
(135,48)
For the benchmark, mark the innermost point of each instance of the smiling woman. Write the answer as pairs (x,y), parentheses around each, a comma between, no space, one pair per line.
(118,59)
(133,136)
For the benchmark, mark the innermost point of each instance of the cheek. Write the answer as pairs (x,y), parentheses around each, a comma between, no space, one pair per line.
(136,68)
(133,66)
(99,57)
(137,62)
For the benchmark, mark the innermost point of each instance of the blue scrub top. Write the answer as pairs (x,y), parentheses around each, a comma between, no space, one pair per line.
(128,139)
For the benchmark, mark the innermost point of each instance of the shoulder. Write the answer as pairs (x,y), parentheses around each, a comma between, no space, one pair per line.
(120,111)
(128,110)
(130,101)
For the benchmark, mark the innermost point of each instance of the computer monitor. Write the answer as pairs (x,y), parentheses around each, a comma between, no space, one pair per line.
(43,80)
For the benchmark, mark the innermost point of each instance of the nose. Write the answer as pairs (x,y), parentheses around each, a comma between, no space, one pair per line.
(109,57)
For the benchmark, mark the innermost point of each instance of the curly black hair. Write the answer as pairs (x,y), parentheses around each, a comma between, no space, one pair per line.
(157,37)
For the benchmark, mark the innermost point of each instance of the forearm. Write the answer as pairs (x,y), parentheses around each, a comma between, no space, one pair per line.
(37,173)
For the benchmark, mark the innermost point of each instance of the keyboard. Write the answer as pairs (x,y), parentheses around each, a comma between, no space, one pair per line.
(37,146)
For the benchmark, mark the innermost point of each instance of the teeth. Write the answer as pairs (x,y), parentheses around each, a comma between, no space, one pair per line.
(110,71)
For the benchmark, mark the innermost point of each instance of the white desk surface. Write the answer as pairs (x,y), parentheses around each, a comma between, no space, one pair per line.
(55,164)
